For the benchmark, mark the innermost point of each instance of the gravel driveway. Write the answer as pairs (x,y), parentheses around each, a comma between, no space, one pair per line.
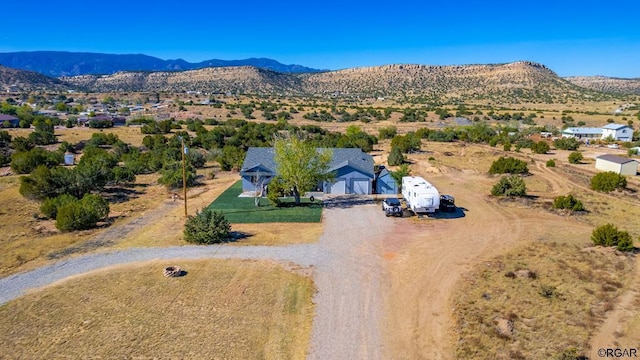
(347,273)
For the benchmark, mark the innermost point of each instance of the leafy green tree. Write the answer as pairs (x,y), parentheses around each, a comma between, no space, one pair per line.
(230,157)
(82,214)
(387,132)
(566,144)
(275,190)
(400,173)
(541,147)
(300,165)
(395,157)
(406,143)
(512,185)
(5,138)
(568,202)
(508,165)
(171,175)
(50,206)
(575,157)
(608,181)
(123,174)
(207,227)
(551,163)
(25,162)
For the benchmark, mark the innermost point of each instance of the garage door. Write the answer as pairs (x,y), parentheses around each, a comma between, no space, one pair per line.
(339,187)
(360,187)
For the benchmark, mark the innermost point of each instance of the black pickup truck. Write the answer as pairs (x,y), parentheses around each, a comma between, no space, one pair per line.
(447,203)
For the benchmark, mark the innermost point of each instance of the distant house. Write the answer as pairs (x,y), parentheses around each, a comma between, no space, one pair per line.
(385,183)
(352,167)
(582,133)
(14,121)
(617,164)
(617,132)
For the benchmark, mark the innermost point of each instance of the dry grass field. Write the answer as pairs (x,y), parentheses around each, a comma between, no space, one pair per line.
(219,310)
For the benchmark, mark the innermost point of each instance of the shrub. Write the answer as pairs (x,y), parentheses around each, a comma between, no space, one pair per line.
(507,146)
(551,163)
(395,157)
(512,185)
(207,227)
(575,157)
(123,174)
(541,147)
(50,206)
(508,165)
(609,235)
(275,190)
(568,202)
(608,181)
(566,144)
(387,132)
(83,214)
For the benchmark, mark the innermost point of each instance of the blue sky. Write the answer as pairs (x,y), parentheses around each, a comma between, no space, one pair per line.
(570,37)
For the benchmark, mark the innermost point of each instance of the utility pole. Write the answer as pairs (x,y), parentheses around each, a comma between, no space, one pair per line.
(184,176)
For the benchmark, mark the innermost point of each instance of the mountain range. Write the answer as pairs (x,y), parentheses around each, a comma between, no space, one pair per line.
(62,63)
(521,81)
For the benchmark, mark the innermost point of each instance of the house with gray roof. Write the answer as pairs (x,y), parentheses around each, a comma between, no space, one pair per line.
(352,167)
(582,133)
(10,119)
(617,132)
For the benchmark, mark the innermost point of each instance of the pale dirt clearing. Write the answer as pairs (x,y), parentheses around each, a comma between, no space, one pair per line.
(428,258)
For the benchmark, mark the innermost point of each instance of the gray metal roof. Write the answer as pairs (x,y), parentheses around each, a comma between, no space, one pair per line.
(615,159)
(614,126)
(354,157)
(576,130)
(5,117)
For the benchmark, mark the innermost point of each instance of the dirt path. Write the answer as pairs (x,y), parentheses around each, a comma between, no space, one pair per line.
(617,319)
(428,259)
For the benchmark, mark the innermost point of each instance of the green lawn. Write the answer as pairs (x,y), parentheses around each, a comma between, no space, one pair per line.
(243,210)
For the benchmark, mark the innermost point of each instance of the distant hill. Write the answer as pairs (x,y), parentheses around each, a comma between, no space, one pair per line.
(515,82)
(21,80)
(62,63)
(607,84)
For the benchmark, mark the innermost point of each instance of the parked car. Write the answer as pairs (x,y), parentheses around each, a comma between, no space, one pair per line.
(613,146)
(447,203)
(392,206)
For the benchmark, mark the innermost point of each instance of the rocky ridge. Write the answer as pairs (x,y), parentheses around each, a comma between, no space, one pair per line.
(607,84)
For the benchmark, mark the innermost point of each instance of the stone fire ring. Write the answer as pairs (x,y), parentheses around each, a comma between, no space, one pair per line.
(172,271)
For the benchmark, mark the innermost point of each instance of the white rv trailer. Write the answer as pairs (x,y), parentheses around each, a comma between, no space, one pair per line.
(420,195)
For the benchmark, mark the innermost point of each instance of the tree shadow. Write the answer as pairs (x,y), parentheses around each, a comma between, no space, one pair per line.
(346,201)
(235,236)
(120,194)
